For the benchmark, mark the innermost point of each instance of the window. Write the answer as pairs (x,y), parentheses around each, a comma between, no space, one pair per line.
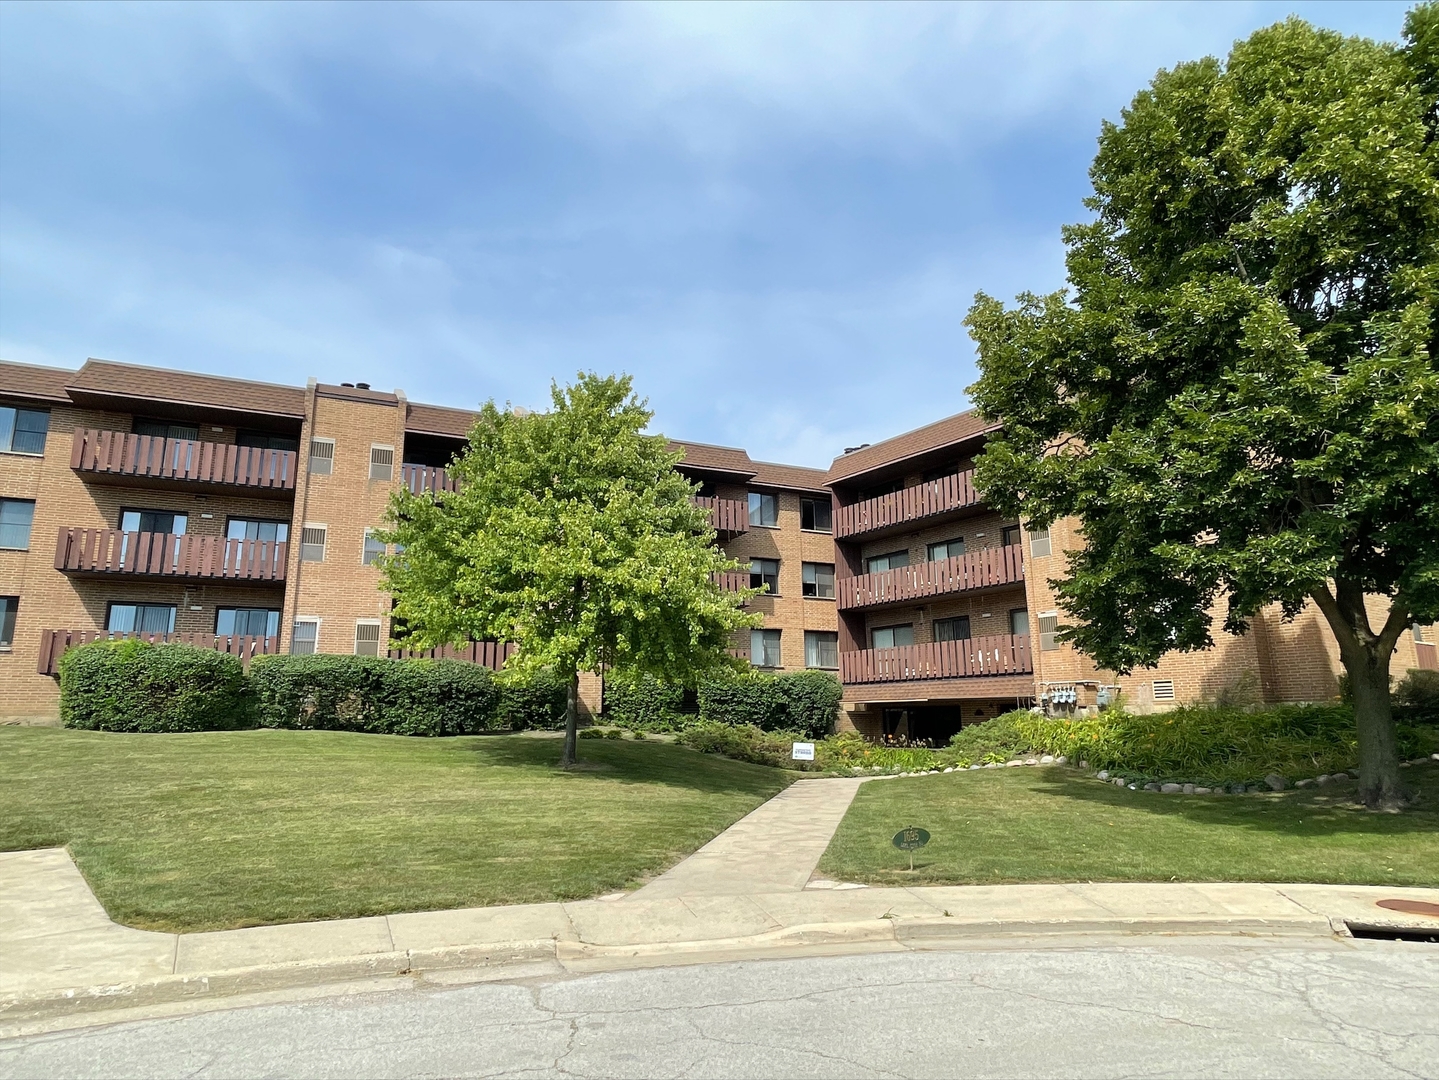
(8,606)
(247,622)
(257,529)
(304,637)
(312,543)
(821,649)
(322,456)
(1038,542)
(1009,535)
(1048,628)
(1019,621)
(946,549)
(940,472)
(141,619)
(382,463)
(153,521)
(1418,632)
(816,515)
(367,637)
(22,431)
(266,440)
(764,572)
(819,580)
(891,637)
(878,564)
(955,629)
(1163,689)
(372,548)
(764,510)
(764,648)
(163,429)
(16,516)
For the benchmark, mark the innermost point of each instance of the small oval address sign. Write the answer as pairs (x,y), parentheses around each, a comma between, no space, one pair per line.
(911,839)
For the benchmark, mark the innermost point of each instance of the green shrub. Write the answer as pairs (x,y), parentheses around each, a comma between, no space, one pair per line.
(376,695)
(135,686)
(533,703)
(745,742)
(1416,698)
(805,702)
(1000,739)
(644,703)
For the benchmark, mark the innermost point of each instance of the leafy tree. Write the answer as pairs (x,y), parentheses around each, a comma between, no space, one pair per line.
(572,536)
(1239,399)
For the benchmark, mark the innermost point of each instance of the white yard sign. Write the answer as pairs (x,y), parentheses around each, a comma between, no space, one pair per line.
(803,751)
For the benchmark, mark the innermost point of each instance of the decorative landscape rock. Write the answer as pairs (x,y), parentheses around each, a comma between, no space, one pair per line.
(1103,774)
(1203,791)
(1171,789)
(1119,781)
(1151,787)
(1188,789)
(1306,783)
(1046,759)
(1339,777)
(1276,782)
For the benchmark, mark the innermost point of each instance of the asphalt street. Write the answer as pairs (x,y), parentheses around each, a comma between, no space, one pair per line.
(1121,1007)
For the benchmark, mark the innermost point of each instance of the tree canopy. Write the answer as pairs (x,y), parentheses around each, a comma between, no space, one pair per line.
(1237,395)
(572,535)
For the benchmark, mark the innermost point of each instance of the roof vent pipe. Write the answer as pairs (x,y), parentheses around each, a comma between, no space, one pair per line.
(362,386)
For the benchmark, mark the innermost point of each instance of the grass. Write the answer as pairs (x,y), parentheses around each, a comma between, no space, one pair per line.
(223,829)
(1053,825)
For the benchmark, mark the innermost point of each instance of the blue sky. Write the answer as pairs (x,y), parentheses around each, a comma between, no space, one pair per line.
(773,216)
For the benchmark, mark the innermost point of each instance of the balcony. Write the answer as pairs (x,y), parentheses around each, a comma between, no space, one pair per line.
(1000,654)
(116,457)
(490,654)
(973,570)
(933,497)
(732,580)
(421,478)
(53,644)
(729,517)
(107,552)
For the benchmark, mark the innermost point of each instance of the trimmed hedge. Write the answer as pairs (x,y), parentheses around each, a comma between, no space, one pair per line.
(800,701)
(399,697)
(132,685)
(644,703)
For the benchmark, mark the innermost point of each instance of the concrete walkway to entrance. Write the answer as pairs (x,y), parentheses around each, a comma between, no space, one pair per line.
(773,849)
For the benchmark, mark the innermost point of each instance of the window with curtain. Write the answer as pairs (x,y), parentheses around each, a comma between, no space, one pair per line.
(764,648)
(257,529)
(16,517)
(955,629)
(373,548)
(821,649)
(763,510)
(946,549)
(891,637)
(819,580)
(1019,622)
(23,431)
(892,560)
(141,619)
(304,636)
(247,622)
(9,606)
(153,521)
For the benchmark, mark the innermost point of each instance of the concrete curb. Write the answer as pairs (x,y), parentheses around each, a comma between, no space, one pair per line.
(519,959)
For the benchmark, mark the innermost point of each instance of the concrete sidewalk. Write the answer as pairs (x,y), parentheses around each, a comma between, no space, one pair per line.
(742,896)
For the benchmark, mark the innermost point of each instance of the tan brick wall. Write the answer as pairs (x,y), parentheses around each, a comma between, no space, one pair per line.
(789,611)
(340,589)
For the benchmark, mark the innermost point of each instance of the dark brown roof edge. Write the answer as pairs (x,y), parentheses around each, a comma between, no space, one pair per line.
(960,427)
(34,381)
(789,477)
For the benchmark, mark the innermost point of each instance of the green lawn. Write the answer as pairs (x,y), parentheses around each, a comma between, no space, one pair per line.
(1051,824)
(224,829)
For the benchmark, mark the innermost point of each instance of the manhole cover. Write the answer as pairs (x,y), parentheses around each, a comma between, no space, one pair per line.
(1410,907)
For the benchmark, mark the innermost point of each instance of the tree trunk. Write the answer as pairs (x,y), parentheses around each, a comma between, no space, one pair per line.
(572,722)
(1365,655)
(1379,785)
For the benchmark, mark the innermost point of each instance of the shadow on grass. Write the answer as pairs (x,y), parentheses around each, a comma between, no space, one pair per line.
(1306,812)
(631,762)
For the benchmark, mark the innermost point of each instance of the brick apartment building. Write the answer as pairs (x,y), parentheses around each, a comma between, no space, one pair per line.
(238,515)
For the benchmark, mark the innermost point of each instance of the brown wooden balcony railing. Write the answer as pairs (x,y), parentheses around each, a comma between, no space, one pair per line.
(729,517)
(733,580)
(490,654)
(1000,654)
(118,456)
(900,507)
(421,478)
(972,570)
(110,551)
(1425,655)
(53,644)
